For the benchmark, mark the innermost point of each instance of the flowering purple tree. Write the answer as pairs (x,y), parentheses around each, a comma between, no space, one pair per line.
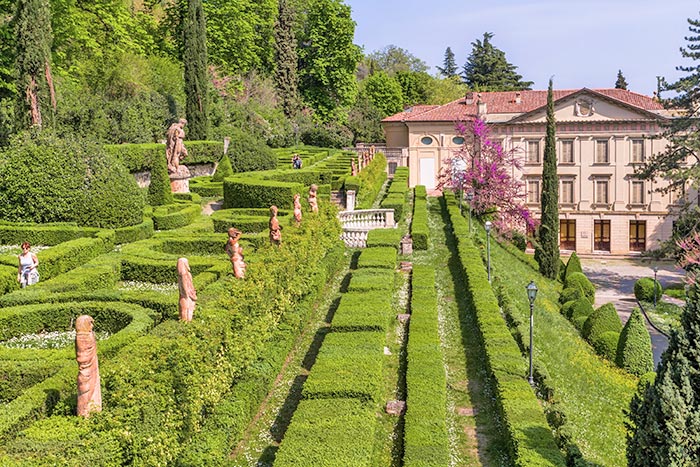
(483,167)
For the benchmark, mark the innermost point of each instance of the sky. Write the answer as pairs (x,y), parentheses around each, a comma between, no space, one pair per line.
(578,43)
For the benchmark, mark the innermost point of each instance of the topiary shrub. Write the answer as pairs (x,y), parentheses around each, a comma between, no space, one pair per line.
(634,352)
(567,308)
(602,320)
(580,311)
(579,280)
(223,170)
(46,179)
(246,153)
(572,266)
(644,289)
(569,294)
(605,345)
(159,191)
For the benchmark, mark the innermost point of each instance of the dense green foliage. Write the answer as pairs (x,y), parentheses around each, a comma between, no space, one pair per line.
(159,190)
(449,66)
(664,428)
(633,351)
(223,170)
(44,179)
(604,319)
(384,92)
(487,69)
(195,64)
(645,289)
(286,59)
(572,265)
(547,251)
(419,223)
(620,82)
(247,153)
(579,280)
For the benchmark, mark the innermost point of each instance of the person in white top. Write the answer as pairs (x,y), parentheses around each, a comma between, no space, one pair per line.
(27,272)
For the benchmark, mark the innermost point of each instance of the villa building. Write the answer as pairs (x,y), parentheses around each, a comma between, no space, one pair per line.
(602,134)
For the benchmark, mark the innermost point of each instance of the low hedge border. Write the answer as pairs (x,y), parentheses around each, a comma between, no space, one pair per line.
(205,187)
(384,237)
(531,439)
(420,232)
(138,157)
(362,311)
(173,216)
(383,257)
(368,279)
(426,441)
(247,220)
(134,233)
(369,182)
(42,234)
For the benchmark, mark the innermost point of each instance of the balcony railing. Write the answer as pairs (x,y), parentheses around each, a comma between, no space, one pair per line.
(356,224)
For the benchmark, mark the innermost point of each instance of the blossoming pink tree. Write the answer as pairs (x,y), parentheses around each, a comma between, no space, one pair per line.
(483,167)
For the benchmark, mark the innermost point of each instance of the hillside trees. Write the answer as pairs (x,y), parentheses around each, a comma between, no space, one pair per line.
(449,66)
(487,69)
(286,59)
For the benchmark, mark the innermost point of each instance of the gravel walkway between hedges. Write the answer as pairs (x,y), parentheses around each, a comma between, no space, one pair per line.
(614,280)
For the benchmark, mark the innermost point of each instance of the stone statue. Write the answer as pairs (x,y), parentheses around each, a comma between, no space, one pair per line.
(372,151)
(275,229)
(235,252)
(297,208)
(175,149)
(89,391)
(188,295)
(353,167)
(313,202)
(359,162)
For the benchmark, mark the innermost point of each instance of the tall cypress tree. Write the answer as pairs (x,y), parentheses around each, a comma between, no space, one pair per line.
(664,426)
(195,61)
(36,99)
(547,253)
(286,57)
(621,82)
(449,66)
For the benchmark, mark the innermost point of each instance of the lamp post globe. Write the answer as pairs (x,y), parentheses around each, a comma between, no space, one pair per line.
(531,289)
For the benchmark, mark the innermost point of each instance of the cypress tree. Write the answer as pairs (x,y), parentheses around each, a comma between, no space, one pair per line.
(286,58)
(634,352)
(449,67)
(159,191)
(547,253)
(195,61)
(36,99)
(621,82)
(664,424)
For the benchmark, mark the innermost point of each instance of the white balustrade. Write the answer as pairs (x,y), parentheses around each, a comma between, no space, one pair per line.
(356,224)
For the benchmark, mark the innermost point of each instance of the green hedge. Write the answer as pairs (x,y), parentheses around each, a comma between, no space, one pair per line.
(329,433)
(134,233)
(206,187)
(371,179)
(173,216)
(349,365)
(644,289)
(603,319)
(362,311)
(367,279)
(247,220)
(377,257)
(634,352)
(531,440)
(426,442)
(572,265)
(42,234)
(384,237)
(579,280)
(68,255)
(251,192)
(419,223)
(138,157)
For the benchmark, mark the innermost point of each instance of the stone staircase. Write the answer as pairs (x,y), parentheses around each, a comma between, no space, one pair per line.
(338,198)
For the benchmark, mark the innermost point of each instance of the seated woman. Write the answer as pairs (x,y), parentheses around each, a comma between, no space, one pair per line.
(27,273)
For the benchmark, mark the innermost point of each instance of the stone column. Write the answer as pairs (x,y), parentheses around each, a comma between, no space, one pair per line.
(350,200)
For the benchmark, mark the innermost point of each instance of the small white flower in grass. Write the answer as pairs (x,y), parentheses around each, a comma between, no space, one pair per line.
(47,340)
(137,285)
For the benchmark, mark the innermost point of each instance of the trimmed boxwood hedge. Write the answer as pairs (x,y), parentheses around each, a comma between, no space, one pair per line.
(138,157)
(370,179)
(603,319)
(362,311)
(644,289)
(173,216)
(634,352)
(247,220)
(377,257)
(572,265)
(366,279)
(206,187)
(419,222)
(384,237)
(579,280)
(252,192)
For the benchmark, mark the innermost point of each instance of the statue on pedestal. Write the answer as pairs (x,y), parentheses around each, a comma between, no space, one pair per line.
(235,252)
(89,390)
(297,208)
(275,230)
(313,202)
(175,149)
(188,295)
(353,168)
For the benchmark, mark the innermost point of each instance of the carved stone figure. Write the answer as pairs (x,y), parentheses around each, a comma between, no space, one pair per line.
(275,229)
(188,295)
(372,151)
(175,149)
(235,252)
(297,208)
(89,390)
(313,202)
(359,162)
(353,167)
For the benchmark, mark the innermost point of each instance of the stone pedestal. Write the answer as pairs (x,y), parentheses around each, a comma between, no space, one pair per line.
(180,180)
(350,200)
(406,245)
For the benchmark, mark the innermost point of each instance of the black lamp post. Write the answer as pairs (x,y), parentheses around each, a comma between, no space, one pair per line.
(531,295)
(487,226)
(656,269)
(470,198)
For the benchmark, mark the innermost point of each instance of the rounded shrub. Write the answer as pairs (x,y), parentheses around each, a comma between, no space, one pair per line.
(606,344)
(603,319)
(223,170)
(47,179)
(573,265)
(580,311)
(159,191)
(634,352)
(247,153)
(329,136)
(644,289)
(579,280)
(568,308)
(569,294)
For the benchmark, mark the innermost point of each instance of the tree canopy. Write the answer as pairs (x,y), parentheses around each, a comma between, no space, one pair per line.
(449,66)
(487,69)
(621,82)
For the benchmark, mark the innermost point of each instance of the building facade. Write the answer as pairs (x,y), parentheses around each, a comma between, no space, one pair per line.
(602,135)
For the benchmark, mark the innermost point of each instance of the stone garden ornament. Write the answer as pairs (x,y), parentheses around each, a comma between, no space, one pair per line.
(313,202)
(235,252)
(175,149)
(188,295)
(275,229)
(297,208)
(89,391)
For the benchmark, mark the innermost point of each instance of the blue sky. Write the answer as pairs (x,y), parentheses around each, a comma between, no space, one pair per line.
(579,43)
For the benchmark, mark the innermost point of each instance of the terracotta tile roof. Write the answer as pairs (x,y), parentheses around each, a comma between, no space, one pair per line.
(505,103)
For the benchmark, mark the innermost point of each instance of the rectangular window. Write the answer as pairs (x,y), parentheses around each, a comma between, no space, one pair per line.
(637,151)
(567,192)
(601,152)
(638,235)
(601,235)
(567,234)
(567,152)
(637,195)
(533,152)
(601,191)
(533,191)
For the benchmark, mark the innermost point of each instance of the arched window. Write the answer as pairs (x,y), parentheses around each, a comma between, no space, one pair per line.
(426,140)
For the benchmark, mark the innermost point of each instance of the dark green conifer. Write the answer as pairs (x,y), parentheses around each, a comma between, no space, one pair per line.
(488,70)
(223,170)
(195,61)
(621,82)
(159,191)
(36,99)
(547,253)
(634,352)
(286,57)
(449,66)
(664,424)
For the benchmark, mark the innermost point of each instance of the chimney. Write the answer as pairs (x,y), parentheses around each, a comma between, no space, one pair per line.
(480,108)
(469,98)
(518,100)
